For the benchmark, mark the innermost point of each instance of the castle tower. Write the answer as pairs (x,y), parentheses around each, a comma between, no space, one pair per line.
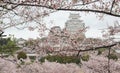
(74,25)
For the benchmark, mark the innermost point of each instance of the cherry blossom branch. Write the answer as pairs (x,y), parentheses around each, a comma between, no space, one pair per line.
(86,3)
(91,49)
(90,10)
(90,2)
(68,9)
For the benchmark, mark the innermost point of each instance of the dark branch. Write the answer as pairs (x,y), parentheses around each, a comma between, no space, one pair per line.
(93,48)
(96,48)
(112,6)
(1,33)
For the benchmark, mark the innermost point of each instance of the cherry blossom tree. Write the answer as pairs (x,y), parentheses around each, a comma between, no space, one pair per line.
(23,12)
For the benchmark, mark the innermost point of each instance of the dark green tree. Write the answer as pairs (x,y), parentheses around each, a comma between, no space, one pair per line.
(22,55)
(8,46)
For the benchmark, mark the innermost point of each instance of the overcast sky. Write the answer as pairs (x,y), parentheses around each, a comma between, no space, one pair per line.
(59,18)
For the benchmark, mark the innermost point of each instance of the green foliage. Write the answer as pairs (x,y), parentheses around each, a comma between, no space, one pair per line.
(85,57)
(4,41)
(22,63)
(7,46)
(113,56)
(61,59)
(1,22)
(100,51)
(32,58)
(29,43)
(22,55)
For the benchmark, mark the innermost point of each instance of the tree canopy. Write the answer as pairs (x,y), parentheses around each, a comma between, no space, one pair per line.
(24,12)
(8,46)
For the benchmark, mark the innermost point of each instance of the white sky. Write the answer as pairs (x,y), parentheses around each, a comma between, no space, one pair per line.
(59,18)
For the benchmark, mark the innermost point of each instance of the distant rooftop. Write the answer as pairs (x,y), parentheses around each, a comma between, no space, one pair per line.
(74,24)
(74,16)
